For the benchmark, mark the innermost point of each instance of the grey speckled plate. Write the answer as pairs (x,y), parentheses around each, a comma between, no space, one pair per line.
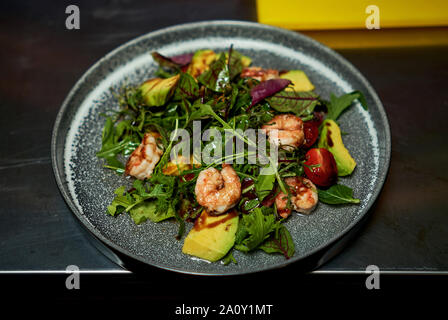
(88,188)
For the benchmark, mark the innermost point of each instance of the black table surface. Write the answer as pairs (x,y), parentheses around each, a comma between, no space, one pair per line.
(40,60)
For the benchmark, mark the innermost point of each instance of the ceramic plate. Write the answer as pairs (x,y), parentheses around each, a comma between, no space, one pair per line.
(88,188)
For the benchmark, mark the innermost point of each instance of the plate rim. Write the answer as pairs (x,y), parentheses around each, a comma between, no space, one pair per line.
(61,179)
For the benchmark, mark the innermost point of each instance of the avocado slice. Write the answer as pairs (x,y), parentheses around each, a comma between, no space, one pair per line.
(331,139)
(299,80)
(157,91)
(212,236)
(200,62)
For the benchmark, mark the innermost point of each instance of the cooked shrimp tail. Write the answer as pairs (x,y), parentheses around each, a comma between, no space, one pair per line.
(303,197)
(143,160)
(218,191)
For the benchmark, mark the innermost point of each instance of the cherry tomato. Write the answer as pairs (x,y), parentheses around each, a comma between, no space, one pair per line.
(311,133)
(311,129)
(320,167)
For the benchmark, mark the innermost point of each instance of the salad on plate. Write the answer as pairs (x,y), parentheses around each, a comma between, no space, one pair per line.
(228,149)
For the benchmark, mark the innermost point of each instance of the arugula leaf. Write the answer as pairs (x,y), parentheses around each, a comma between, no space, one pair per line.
(217,77)
(256,228)
(281,242)
(201,111)
(121,201)
(300,103)
(337,194)
(338,104)
(229,258)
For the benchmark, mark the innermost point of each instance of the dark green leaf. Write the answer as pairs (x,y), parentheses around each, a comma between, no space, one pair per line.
(187,88)
(265,183)
(217,77)
(337,194)
(164,61)
(251,204)
(235,65)
(257,229)
(337,105)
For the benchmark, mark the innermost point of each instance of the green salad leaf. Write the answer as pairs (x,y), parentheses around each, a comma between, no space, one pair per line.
(148,210)
(337,105)
(187,88)
(254,229)
(280,242)
(300,103)
(265,183)
(337,194)
(217,77)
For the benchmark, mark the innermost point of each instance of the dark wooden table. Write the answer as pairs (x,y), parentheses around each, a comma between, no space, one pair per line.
(406,234)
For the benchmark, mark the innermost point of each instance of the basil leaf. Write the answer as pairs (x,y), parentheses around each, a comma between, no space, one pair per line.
(337,194)
(280,242)
(300,103)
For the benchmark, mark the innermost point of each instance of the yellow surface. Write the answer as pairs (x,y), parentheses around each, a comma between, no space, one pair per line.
(351,14)
(383,38)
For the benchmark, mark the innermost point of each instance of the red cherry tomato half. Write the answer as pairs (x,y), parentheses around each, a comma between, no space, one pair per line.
(311,131)
(320,167)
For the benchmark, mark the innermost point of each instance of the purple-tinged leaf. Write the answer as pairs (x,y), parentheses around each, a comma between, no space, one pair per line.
(266,89)
(300,103)
(281,242)
(217,76)
(182,59)
(187,88)
(175,62)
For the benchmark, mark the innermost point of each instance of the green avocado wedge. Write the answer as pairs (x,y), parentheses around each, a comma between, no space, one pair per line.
(299,80)
(331,139)
(156,92)
(212,236)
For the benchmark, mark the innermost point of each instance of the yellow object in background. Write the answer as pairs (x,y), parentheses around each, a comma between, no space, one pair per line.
(342,23)
(351,14)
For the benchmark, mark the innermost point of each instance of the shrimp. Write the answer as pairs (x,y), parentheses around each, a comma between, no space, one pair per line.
(303,197)
(218,191)
(289,128)
(259,73)
(143,160)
